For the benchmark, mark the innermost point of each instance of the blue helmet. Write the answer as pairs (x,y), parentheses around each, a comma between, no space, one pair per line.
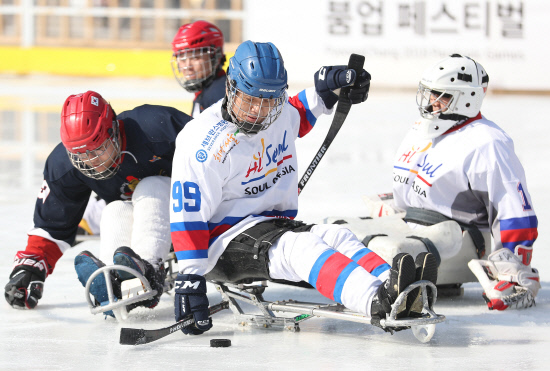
(258,70)
(256,86)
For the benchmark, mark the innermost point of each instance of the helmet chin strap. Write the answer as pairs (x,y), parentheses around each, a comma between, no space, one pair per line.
(225,113)
(131,154)
(453,117)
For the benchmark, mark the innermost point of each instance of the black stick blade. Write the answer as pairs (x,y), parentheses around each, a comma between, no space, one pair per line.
(137,336)
(132,336)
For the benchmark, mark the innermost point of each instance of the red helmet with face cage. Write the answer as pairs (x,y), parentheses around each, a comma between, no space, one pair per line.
(89,131)
(198,34)
(198,41)
(85,122)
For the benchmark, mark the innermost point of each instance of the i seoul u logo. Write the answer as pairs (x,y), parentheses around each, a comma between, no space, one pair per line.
(201,155)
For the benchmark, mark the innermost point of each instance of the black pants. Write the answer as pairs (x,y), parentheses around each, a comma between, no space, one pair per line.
(246,257)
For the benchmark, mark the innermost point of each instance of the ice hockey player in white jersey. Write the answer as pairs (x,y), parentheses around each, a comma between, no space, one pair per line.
(234,196)
(459,164)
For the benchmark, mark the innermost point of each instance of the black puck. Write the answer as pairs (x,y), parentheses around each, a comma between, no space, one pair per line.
(220,343)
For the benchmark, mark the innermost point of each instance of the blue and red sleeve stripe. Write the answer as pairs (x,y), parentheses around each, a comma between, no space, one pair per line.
(190,240)
(518,231)
(307,118)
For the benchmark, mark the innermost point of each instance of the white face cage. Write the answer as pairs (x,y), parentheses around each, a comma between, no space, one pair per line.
(252,114)
(101,163)
(432,102)
(193,67)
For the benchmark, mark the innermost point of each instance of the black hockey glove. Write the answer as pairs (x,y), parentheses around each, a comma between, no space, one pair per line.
(190,298)
(26,281)
(331,78)
(359,92)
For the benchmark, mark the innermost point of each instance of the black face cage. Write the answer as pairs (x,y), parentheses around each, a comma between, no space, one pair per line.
(94,164)
(211,64)
(238,107)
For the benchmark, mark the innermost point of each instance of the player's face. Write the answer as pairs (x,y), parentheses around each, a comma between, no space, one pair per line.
(251,109)
(440,102)
(102,158)
(194,64)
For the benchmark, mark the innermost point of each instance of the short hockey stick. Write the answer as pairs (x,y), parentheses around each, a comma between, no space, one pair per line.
(135,336)
(356,62)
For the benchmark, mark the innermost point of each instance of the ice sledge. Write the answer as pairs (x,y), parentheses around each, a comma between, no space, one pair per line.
(236,294)
(284,314)
(133,290)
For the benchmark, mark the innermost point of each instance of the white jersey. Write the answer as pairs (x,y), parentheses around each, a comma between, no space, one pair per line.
(470,174)
(224,181)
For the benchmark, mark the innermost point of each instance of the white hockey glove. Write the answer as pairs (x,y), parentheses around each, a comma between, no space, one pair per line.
(380,205)
(507,278)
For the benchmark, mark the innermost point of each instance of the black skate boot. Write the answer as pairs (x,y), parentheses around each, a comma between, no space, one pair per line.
(402,274)
(85,265)
(426,269)
(127,257)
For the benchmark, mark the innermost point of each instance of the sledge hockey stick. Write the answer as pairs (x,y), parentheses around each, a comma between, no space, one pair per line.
(356,62)
(137,336)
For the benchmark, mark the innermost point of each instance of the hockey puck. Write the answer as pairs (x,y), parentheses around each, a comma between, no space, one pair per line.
(220,343)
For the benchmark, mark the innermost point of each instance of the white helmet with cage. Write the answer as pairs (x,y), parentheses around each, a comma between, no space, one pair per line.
(450,91)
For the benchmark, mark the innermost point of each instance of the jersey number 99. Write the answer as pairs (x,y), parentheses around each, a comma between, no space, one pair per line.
(182,194)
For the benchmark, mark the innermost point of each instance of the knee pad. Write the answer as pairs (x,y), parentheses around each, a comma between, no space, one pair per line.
(333,234)
(117,221)
(157,187)
(151,230)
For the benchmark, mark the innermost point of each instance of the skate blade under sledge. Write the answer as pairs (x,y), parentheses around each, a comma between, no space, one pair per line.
(133,291)
(423,327)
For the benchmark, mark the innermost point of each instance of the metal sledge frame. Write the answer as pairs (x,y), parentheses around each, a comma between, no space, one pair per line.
(117,306)
(236,294)
(423,327)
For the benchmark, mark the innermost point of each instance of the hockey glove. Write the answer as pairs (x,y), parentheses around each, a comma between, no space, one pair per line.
(330,78)
(359,92)
(190,298)
(26,283)
(507,281)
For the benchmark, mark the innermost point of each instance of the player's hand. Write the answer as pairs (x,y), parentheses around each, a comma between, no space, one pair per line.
(26,283)
(190,298)
(330,78)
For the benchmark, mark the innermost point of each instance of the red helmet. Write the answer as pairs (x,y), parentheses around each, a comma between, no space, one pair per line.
(89,130)
(197,35)
(198,55)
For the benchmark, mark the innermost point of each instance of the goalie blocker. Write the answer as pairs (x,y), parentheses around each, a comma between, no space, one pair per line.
(507,278)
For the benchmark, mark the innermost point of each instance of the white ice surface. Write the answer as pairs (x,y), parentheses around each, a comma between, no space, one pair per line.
(62,334)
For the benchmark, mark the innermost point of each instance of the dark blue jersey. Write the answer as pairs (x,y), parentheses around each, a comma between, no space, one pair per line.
(150,133)
(209,95)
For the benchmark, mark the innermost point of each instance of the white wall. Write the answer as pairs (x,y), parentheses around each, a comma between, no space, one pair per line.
(508,37)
